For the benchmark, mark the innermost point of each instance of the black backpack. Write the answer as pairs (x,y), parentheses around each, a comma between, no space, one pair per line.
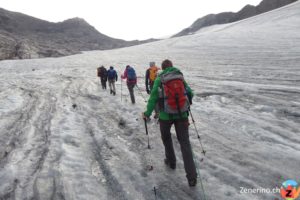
(103,73)
(99,71)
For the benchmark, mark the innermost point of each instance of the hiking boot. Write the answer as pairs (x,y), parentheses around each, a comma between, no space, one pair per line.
(192,182)
(111,91)
(171,165)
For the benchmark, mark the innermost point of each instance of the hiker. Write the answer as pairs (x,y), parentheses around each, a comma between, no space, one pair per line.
(112,77)
(130,75)
(102,74)
(151,74)
(170,90)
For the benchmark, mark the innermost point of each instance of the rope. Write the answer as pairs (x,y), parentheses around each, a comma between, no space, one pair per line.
(141,93)
(121,89)
(203,151)
(199,175)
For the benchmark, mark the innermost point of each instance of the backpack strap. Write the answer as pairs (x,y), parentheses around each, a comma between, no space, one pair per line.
(161,97)
(171,75)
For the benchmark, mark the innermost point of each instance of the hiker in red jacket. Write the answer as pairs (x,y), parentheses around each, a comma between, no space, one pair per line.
(130,75)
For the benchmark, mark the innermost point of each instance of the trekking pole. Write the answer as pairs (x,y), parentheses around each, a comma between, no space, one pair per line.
(198,136)
(141,93)
(154,190)
(121,89)
(150,166)
(146,127)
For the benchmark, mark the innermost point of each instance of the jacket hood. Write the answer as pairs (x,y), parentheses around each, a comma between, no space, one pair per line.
(169,69)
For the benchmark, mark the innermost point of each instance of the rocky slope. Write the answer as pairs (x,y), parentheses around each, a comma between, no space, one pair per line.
(228,17)
(22,36)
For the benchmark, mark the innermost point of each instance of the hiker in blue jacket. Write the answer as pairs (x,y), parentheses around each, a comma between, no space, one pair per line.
(112,77)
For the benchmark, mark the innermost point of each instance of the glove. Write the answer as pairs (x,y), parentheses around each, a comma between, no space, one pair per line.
(145,117)
(148,91)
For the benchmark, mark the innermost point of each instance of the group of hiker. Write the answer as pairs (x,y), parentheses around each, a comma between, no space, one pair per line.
(131,79)
(170,98)
(108,75)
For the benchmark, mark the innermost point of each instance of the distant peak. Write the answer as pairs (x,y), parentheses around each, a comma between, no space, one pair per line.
(75,20)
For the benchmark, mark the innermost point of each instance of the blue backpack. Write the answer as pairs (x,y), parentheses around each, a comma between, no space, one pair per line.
(111,74)
(131,73)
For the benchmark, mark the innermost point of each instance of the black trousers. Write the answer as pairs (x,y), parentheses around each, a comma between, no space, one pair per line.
(130,87)
(103,83)
(182,133)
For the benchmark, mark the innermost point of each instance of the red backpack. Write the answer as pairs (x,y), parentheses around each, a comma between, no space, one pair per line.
(173,93)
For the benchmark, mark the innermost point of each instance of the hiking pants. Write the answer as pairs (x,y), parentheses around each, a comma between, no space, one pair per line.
(182,133)
(103,83)
(130,87)
(112,86)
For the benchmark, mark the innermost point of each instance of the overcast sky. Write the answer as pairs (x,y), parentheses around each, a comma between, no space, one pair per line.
(127,19)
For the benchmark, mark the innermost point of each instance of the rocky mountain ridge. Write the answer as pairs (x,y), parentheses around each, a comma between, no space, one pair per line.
(23,37)
(228,17)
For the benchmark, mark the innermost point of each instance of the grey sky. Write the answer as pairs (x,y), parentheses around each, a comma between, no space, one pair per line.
(127,19)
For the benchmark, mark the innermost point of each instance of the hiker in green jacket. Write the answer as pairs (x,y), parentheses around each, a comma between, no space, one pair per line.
(171,92)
